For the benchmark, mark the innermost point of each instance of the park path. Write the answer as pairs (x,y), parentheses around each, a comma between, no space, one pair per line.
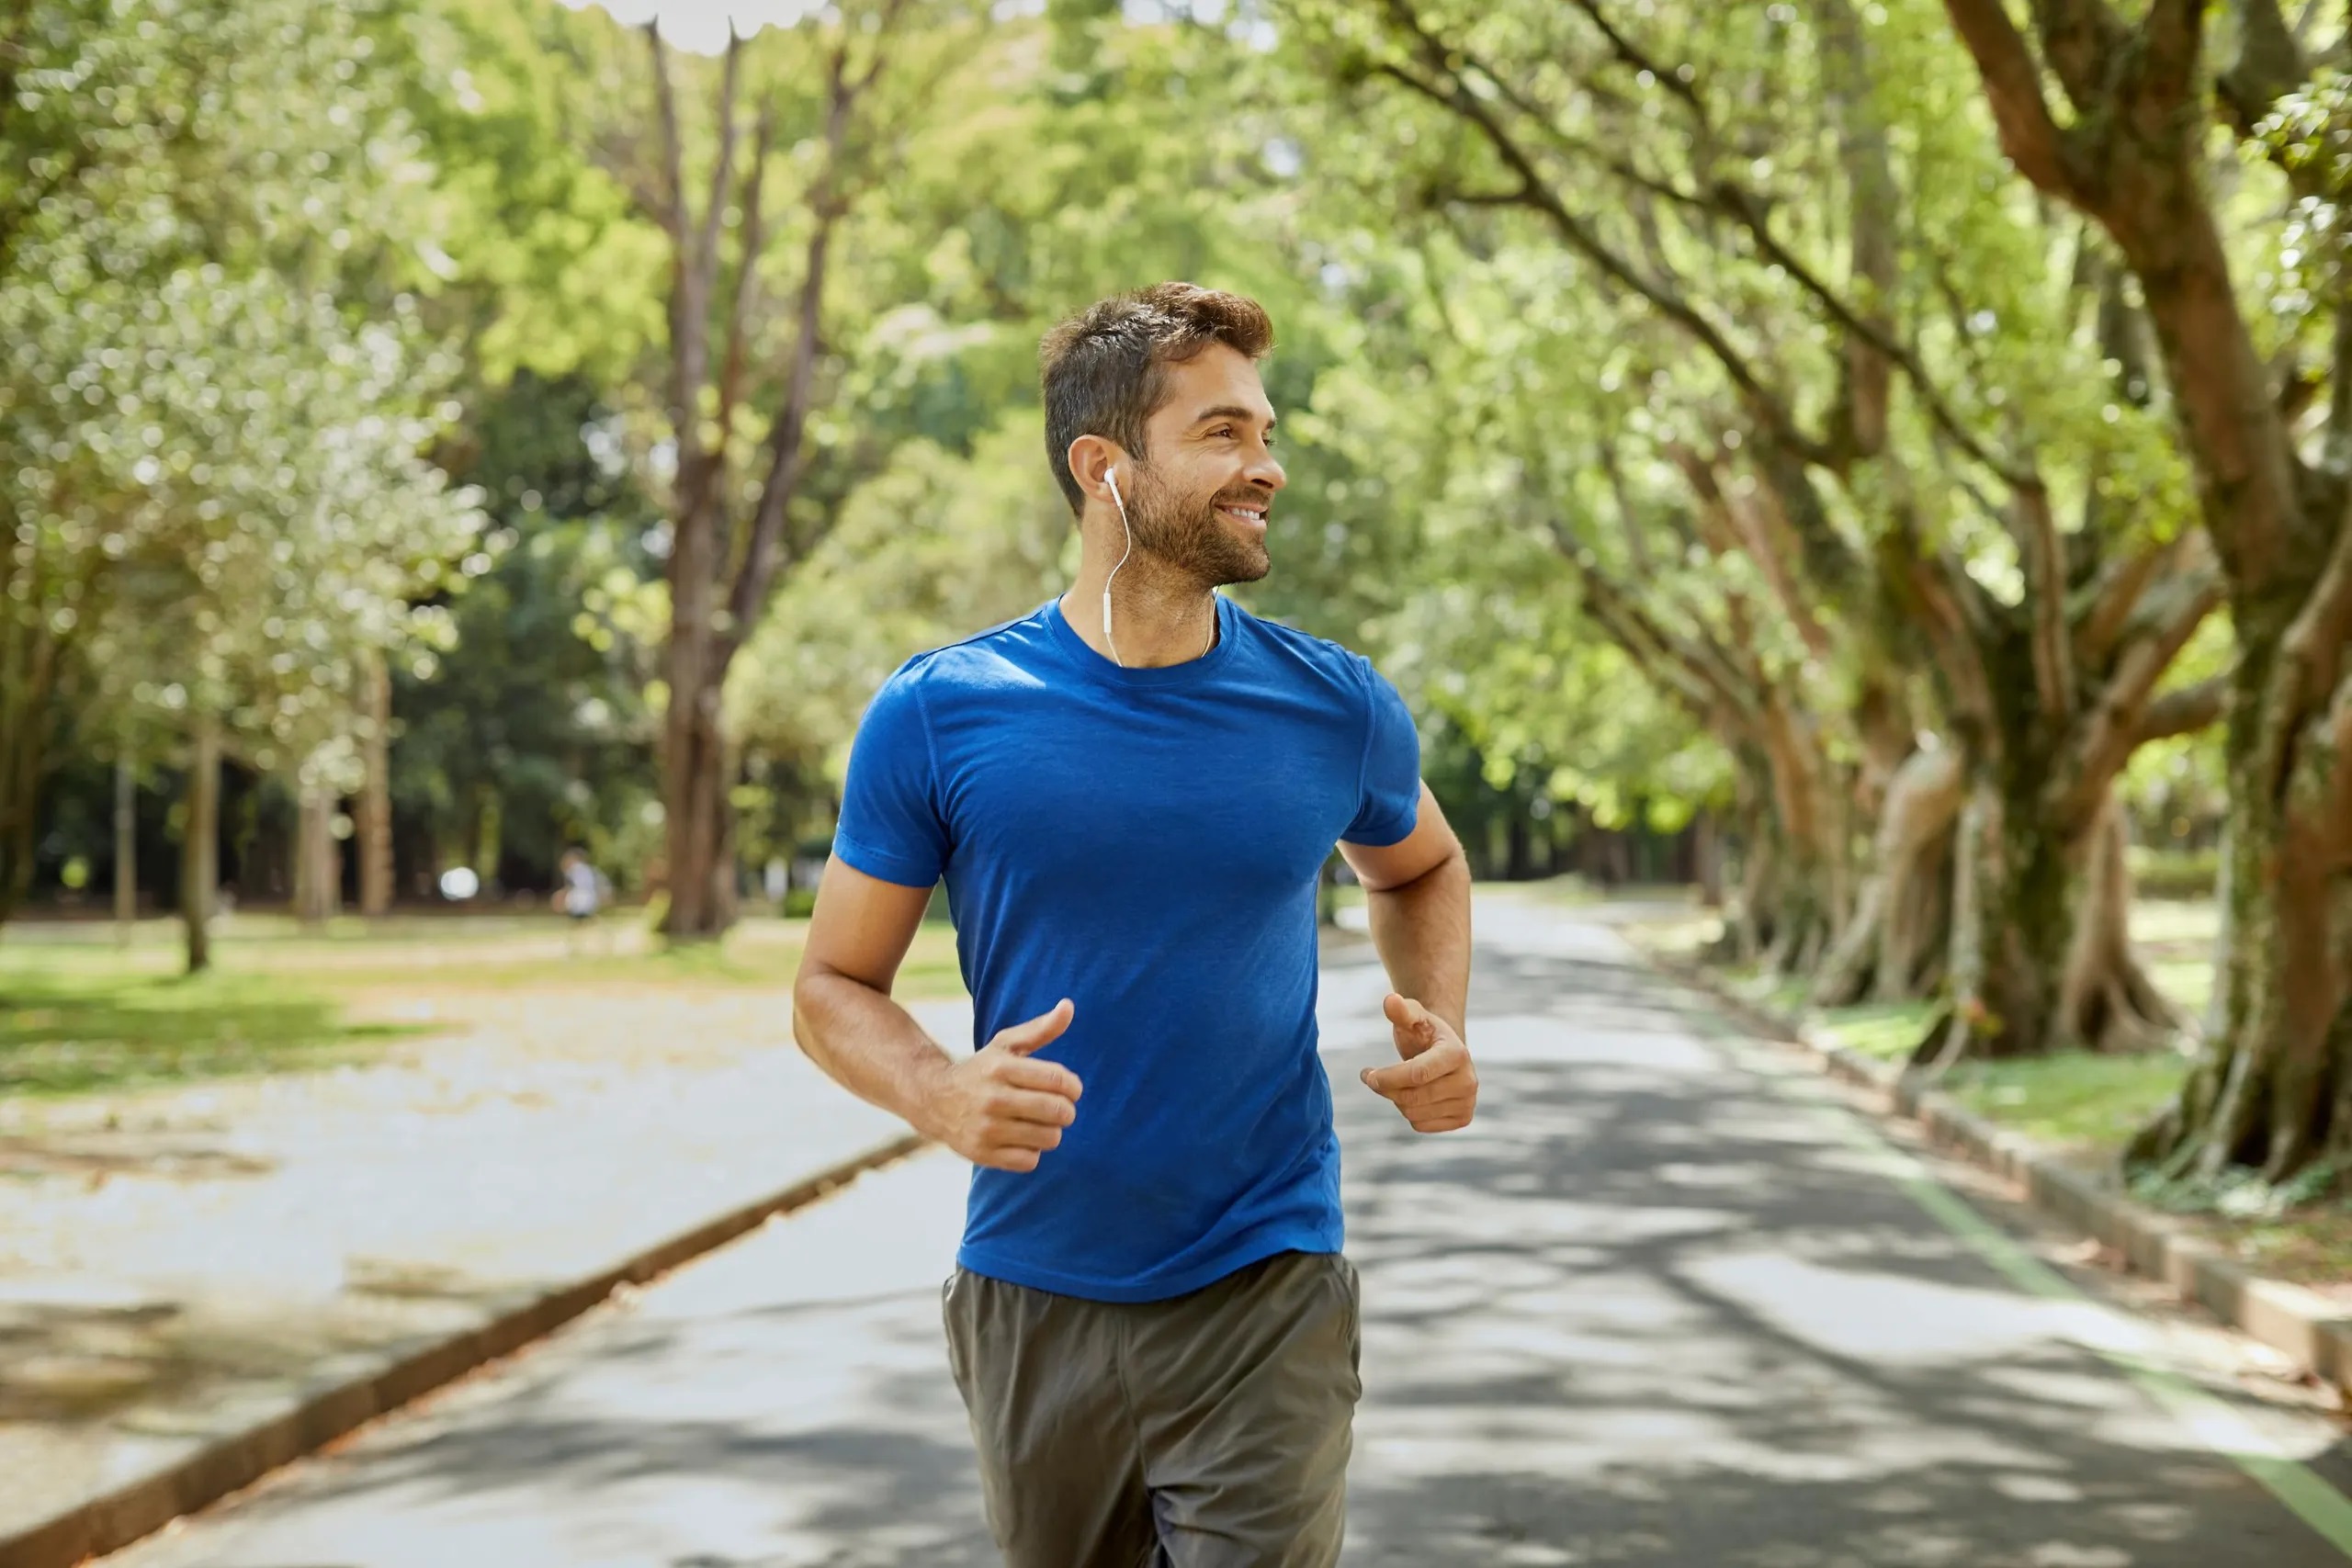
(1663,1305)
(183,1265)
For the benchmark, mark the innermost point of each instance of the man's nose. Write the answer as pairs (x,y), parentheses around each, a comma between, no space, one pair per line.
(1265,472)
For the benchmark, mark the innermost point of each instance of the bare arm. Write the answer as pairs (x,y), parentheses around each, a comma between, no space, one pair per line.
(841,1011)
(998,1107)
(1417,895)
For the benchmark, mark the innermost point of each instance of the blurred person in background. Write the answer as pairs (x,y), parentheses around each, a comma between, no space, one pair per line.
(580,895)
(1130,794)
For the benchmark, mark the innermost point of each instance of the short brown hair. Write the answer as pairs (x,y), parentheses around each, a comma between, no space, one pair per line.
(1105,368)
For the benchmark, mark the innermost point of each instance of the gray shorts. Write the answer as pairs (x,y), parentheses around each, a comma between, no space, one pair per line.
(1209,1431)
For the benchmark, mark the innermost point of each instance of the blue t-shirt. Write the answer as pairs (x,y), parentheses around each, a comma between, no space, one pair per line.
(1146,844)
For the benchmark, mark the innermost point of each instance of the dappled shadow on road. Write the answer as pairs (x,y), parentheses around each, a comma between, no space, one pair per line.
(722,1444)
(786,1403)
(1648,1313)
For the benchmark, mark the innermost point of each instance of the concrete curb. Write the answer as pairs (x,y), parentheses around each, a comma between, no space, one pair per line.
(320,1414)
(2301,1325)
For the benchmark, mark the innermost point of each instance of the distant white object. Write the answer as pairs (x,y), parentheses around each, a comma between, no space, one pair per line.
(583,890)
(459,882)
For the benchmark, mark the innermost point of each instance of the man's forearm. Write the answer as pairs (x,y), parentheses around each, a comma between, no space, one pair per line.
(870,1046)
(1421,929)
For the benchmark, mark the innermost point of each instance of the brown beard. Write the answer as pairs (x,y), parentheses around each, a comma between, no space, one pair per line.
(1191,538)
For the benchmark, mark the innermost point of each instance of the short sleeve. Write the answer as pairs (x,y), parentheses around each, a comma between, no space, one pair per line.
(891,826)
(1388,794)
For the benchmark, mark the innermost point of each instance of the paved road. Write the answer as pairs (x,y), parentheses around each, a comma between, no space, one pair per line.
(1659,1307)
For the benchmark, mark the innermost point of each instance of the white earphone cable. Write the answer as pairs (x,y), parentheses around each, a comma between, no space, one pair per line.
(1111,478)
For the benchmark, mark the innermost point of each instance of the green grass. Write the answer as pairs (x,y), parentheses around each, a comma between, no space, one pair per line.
(73,1032)
(2177,925)
(1888,1031)
(80,1015)
(2075,1102)
(476,952)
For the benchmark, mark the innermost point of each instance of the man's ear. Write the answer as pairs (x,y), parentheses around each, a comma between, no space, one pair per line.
(1090,457)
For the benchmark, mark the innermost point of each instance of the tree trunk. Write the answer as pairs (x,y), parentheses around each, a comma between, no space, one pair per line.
(1784,920)
(2272,1088)
(201,844)
(29,656)
(318,866)
(375,794)
(1709,855)
(700,825)
(125,841)
(1759,877)
(2272,1091)
(1891,949)
(2041,957)
(485,840)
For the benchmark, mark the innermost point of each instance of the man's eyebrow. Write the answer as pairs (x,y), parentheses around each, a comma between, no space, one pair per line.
(1229,411)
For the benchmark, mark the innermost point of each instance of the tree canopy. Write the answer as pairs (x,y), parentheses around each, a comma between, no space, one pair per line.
(1784,425)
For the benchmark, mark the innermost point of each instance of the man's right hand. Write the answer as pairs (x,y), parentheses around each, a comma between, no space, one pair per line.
(1003,1107)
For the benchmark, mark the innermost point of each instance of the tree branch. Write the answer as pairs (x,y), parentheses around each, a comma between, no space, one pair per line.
(1750,532)
(1633,58)
(2182,712)
(1767,407)
(764,554)
(2045,575)
(1870,179)
(2045,155)
(722,173)
(1701,673)
(689,314)
(2311,653)
(2112,598)
(2110,731)
(747,277)
(1741,205)
(1872,343)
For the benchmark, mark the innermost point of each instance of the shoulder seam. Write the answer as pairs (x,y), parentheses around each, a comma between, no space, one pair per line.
(1370,702)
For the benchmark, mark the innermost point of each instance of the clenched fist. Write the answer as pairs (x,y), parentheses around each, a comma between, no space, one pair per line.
(1434,1086)
(1000,1107)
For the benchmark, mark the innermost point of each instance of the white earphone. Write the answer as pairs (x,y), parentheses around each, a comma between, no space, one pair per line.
(1111,478)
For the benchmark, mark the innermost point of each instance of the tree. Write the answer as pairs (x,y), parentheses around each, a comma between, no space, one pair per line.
(730,535)
(1903,366)
(190,421)
(533,732)
(2268,1092)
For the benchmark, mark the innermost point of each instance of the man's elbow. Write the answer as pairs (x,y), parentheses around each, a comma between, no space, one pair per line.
(808,1008)
(1450,865)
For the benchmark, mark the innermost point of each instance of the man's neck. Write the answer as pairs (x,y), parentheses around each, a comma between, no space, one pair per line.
(1158,617)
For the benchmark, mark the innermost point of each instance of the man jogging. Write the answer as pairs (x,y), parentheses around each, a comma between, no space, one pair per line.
(1130,794)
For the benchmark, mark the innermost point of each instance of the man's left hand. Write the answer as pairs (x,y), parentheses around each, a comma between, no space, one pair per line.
(1434,1086)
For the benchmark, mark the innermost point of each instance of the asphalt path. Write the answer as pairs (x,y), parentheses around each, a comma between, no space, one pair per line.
(1668,1302)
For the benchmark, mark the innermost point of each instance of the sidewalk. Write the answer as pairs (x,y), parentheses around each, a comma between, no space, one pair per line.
(200,1282)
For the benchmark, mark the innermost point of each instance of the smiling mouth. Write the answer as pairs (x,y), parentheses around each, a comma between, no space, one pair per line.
(1250,512)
